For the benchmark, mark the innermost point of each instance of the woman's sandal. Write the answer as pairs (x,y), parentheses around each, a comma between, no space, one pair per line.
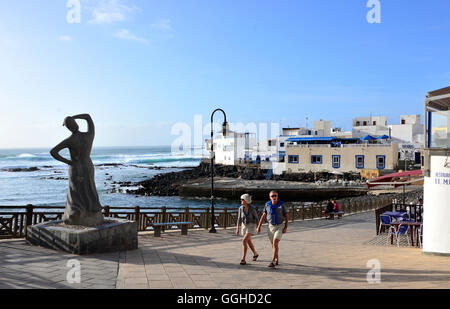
(276,263)
(272,265)
(243,262)
(255,257)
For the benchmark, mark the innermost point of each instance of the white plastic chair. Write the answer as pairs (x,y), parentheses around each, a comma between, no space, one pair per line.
(420,234)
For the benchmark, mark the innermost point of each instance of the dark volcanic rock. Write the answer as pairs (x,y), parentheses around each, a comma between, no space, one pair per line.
(15,170)
(168,184)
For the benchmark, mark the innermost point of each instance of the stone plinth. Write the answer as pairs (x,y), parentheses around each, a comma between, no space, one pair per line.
(113,235)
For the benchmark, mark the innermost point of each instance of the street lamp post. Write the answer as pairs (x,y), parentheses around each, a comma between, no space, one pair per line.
(224,132)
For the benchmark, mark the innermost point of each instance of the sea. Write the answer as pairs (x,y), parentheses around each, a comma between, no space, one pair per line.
(47,185)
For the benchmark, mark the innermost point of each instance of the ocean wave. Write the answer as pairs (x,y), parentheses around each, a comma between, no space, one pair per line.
(163,159)
(151,158)
(26,155)
(156,161)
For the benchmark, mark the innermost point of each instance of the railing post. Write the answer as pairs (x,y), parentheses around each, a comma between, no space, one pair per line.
(293,213)
(15,225)
(107,211)
(28,218)
(29,215)
(137,217)
(225,214)
(303,211)
(186,214)
(164,216)
(207,218)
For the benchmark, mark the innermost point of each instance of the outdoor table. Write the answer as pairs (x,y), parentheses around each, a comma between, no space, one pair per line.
(398,215)
(412,225)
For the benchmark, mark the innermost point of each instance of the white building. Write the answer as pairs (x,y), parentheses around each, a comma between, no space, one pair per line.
(337,132)
(233,147)
(287,133)
(265,150)
(321,128)
(409,134)
(374,125)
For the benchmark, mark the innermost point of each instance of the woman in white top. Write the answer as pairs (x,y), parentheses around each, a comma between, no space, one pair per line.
(247,220)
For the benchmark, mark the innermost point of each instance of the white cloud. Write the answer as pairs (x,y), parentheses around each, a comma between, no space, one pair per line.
(65,38)
(162,24)
(112,11)
(124,34)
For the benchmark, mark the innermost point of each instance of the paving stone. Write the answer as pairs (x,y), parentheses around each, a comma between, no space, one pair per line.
(313,254)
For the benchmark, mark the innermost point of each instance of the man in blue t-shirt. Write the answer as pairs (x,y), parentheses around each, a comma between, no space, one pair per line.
(276,213)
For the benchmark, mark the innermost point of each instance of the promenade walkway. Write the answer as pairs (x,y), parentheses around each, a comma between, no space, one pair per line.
(313,254)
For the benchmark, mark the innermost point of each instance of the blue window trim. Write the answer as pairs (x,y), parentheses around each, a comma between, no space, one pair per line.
(289,160)
(320,162)
(356,161)
(332,161)
(384,163)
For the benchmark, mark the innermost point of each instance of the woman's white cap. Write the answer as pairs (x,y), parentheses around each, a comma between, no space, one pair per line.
(247,198)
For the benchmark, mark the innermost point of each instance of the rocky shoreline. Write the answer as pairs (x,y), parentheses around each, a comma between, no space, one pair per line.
(169,184)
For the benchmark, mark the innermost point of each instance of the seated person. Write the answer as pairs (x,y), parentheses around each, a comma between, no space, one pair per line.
(329,210)
(336,207)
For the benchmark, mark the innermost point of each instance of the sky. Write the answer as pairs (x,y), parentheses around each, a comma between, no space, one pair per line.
(141,68)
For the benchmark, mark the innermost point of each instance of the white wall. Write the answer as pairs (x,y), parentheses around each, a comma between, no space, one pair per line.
(380,128)
(380,121)
(436,227)
(322,128)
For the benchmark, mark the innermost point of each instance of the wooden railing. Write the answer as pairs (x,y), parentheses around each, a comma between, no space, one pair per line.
(378,212)
(15,219)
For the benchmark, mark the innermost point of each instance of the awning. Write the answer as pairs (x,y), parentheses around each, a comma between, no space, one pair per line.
(368,138)
(387,179)
(439,99)
(383,137)
(310,139)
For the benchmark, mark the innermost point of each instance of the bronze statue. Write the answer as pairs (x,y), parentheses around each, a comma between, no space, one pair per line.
(82,205)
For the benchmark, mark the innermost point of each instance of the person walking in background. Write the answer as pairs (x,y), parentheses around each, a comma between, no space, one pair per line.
(275,211)
(247,221)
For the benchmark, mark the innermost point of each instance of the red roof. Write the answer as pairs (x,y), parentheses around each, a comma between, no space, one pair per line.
(388,178)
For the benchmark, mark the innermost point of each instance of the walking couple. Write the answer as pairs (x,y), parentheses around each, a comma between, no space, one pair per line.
(274,211)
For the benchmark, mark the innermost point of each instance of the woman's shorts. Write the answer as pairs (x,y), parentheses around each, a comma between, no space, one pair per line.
(248,229)
(275,231)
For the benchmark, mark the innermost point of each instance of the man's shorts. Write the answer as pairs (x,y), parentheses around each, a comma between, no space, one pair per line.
(248,229)
(275,231)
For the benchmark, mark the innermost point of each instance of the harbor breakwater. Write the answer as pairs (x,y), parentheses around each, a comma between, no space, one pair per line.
(302,187)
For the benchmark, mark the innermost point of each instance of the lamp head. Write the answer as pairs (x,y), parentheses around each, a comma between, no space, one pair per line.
(225,128)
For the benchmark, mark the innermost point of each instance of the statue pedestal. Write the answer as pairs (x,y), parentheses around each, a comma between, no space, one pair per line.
(113,235)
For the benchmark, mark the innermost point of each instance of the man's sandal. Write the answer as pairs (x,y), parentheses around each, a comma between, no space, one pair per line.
(271,265)
(243,262)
